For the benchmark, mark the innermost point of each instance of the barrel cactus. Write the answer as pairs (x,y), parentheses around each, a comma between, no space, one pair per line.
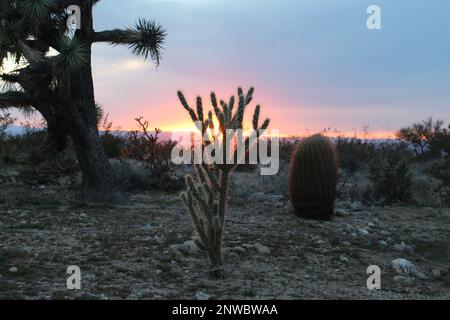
(313,178)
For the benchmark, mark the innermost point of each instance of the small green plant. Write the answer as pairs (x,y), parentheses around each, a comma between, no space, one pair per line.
(313,178)
(206,194)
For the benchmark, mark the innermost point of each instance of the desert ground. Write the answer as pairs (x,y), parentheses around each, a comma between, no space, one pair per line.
(144,250)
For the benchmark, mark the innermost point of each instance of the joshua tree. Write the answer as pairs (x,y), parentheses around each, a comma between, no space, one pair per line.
(30,28)
(206,195)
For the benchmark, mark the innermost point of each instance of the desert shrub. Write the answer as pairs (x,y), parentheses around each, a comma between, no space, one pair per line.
(6,120)
(356,187)
(112,143)
(14,150)
(12,154)
(132,176)
(440,169)
(428,137)
(26,147)
(287,146)
(354,153)
(390,173)
(425,190)
(146,148)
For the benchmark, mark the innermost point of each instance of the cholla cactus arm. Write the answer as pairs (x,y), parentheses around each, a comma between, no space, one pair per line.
(223,194)
(198,224)
(219,114)
(196,194)
(200,113)
(244,101)
(265,124)
(187,107)
(239,116)
(210,121)
(212,178)
(228,114)
(256,117)
(231,104)
(249,97)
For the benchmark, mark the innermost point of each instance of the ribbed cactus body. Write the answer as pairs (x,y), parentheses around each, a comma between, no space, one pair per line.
(313,178)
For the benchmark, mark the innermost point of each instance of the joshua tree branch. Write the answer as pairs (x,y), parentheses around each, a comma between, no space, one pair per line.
(145,39)
(15,99)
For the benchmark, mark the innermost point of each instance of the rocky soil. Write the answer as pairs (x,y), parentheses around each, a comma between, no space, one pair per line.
(144,250)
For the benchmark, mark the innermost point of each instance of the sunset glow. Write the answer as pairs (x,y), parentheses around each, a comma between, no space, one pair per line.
(322,69)
(305,82)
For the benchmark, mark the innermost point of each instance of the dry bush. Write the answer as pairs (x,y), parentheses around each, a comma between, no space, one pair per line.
(147,149)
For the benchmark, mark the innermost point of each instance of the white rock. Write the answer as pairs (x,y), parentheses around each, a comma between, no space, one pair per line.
(257,197)
(13,269)
(147,227)
(382,243)
(188,247)
(403,247)
(364,232)
(406,267)
(200,295)
(403,266)
(344,259)
(261,248)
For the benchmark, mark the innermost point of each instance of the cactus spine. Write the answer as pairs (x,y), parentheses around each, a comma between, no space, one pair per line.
(313,178)
(206,194)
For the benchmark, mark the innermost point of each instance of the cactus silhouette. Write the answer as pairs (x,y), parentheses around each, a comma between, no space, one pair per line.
(313,178)
(206,194)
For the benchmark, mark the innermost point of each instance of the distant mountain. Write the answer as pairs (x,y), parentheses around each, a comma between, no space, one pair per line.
(15,130)
(167,135)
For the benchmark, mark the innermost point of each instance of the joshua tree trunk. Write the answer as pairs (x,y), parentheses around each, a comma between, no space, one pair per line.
(99,182)
(57,130)
(56,135)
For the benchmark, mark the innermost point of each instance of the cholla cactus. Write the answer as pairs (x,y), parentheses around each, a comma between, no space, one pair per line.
(206,194)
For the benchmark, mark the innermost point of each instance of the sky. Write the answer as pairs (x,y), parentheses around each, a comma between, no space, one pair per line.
(314,63)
